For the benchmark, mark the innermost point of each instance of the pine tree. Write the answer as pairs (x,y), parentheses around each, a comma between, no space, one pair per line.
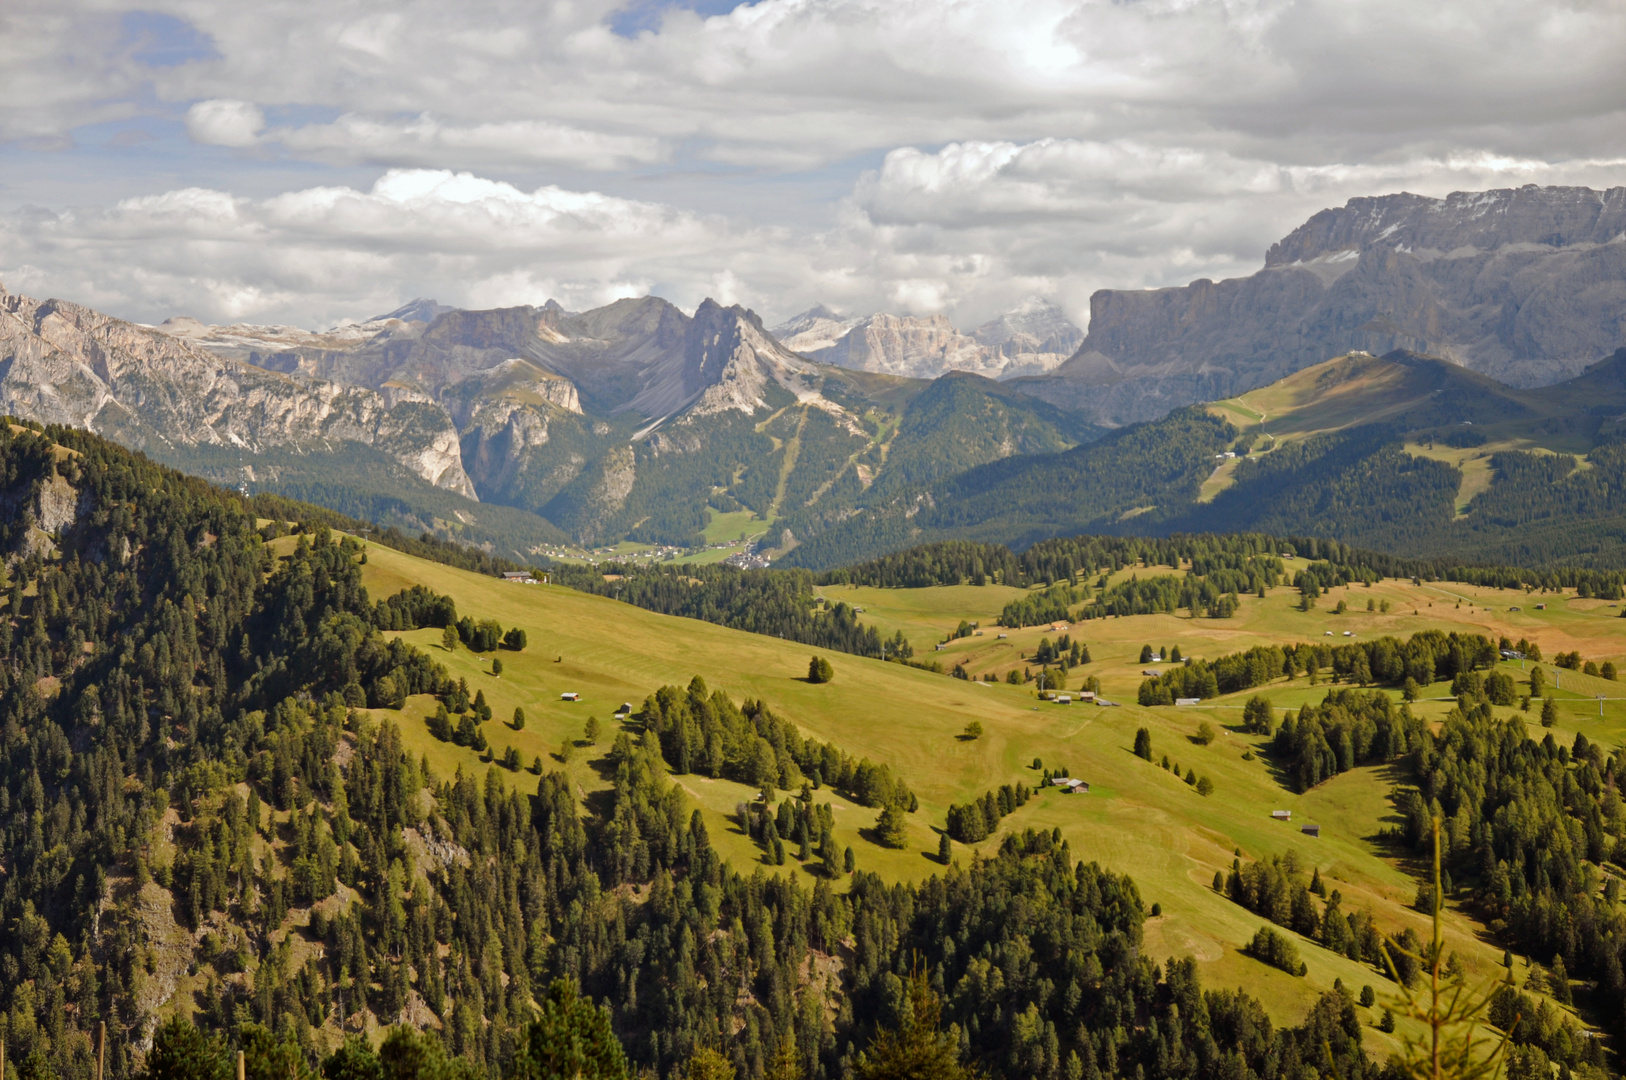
(891,829)
(917,1049)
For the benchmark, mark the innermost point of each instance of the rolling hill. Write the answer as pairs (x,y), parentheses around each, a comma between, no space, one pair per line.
(1407,454)
(261,774)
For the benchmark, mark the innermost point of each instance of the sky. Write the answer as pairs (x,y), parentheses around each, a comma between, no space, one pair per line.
(297,162)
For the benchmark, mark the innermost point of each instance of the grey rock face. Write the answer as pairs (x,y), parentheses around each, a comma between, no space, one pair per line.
(1031,339)
(63,363)
(1526,285)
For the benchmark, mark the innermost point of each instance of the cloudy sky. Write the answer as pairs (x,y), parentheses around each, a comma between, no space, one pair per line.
(307,162)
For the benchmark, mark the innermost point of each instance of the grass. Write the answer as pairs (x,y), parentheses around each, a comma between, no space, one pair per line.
(1138,818)
(722,528)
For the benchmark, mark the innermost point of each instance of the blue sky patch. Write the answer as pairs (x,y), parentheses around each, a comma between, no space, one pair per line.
(640,15)
(164,41)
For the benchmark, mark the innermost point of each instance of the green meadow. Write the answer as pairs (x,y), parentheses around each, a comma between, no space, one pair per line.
(1138,818)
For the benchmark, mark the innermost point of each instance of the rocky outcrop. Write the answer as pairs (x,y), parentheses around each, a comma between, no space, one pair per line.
(1030,339)
(1526,285)
(63,363)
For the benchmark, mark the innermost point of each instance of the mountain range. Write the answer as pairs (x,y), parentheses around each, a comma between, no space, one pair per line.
(1031,339)
(525,427)
(1525,285)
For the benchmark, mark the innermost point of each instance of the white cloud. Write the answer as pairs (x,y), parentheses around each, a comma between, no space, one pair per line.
(426,140)
(321,254)
(870,153)
(224,122)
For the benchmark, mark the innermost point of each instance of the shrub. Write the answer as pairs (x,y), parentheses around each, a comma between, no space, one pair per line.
(1206,733)
(819,670)
(1277,950)
(1499,688)
(1143,744)
(973,730)
(514,640)
(1205,786)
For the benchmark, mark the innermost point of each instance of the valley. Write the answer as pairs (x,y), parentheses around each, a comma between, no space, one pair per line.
(1136,819)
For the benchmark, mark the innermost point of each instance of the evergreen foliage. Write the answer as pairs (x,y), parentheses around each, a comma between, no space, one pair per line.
(978,819)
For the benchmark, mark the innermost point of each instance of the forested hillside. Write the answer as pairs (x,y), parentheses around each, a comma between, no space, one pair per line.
(1408,455)
(191,783)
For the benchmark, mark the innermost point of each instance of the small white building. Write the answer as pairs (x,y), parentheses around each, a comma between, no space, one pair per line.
(1064,699)
(1282,815)
(1187,700)
(570,695)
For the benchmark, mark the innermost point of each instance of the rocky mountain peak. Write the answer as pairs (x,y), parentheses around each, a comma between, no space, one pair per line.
(64,363)
(420,309)
(1521,284)
(1034,337)
(1548,217)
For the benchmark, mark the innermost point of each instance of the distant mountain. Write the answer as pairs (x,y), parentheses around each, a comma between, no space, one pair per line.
(419,310)
(1033,337)
(1028,340)
(637,420)
(66,364)
(1407,454)
(1525,285)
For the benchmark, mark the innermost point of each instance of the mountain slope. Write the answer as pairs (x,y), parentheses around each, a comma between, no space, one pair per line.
(638,421)
(63,363)
(1405,454)
(1525,285)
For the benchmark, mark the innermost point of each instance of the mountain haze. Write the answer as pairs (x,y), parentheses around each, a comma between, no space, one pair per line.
(1028,340)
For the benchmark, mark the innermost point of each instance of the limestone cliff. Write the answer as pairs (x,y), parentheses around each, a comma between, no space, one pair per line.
(1526,285)
(64,363)
(1030,339)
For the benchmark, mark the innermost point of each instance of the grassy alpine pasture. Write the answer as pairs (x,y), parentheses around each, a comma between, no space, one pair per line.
(1138,817)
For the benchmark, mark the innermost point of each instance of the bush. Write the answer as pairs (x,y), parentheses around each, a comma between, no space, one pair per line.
(1205,786)
(1206,733)
(1499,688)
(1276,950)
(973,730)
(482,636)
(514,640)
(1143,744)
(819,670)
(1367,997)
